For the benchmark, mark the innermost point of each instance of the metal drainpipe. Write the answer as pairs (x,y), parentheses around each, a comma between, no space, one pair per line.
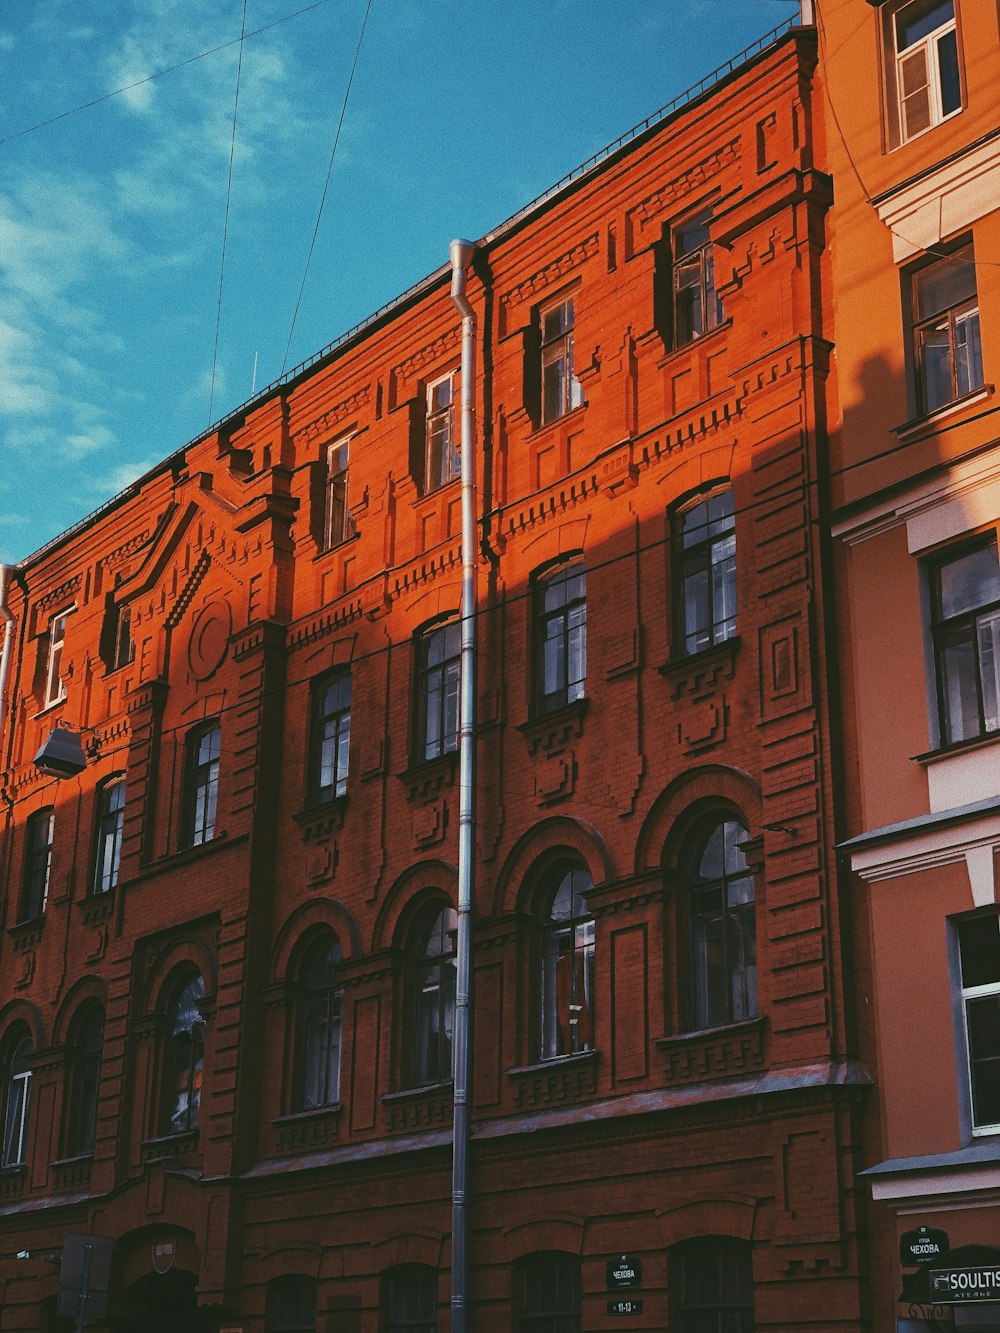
(461,255)
(8,639)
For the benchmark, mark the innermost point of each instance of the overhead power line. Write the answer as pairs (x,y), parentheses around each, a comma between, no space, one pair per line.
(159,74)
(326,186)
(225,225)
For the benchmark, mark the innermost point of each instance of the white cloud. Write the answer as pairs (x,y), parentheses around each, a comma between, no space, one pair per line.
(107,484)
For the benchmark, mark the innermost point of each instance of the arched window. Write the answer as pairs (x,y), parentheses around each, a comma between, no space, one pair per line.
(17,1096)
(409,1299)
(85,1049)
(110,819)
(320,1021)
(549,1293)
(433,1004)
(291,1303)
(201,788)
(37,864)
(567,931)
(721,925)
(184,1054)
(711,1286)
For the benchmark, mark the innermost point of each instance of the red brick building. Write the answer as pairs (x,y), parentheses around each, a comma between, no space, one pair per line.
(227,974)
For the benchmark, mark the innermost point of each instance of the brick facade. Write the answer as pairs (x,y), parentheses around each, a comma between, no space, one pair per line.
(660,1130)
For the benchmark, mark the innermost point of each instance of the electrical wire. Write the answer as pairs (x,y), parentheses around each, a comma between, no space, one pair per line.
(326,186)
(225,225)
(513,599)
(916,246)
(159,74)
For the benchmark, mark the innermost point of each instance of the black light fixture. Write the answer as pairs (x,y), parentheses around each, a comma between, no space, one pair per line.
(62,755)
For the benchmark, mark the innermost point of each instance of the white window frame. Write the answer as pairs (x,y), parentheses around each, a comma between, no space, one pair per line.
(927,49)
(557,351)
(55,690)
(969,994)
(338,525)
(440,425)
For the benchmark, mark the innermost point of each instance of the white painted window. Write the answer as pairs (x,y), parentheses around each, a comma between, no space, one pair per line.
(979,961)
(442,463)
(561,390)
(54,688)
(924,58)
(337,522)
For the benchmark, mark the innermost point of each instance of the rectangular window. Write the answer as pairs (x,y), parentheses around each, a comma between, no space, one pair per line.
(331,737)
(124,652)
(923,65)
(979,960)
(696,306)
(54,688)
(561,610)
(37,865)
(438,669)
(203,751)
(561,390)
(705,559)
(337,522)
(442,463)
(965,610)
(947,352)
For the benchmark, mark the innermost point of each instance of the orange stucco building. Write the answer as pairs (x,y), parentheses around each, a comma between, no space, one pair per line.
(227,971)
(914,148)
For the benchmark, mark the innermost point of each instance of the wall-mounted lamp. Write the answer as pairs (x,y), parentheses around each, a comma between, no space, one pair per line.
(62,755)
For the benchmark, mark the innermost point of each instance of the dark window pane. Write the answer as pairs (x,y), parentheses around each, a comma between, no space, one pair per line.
(979,950)
(918,20)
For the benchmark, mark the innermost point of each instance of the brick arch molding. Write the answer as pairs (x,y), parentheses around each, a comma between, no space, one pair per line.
(712,784)
(320,912)
(89,988)
(402,899)
(553,835)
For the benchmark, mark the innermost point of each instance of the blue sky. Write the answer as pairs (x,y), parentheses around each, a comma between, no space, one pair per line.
(111,218)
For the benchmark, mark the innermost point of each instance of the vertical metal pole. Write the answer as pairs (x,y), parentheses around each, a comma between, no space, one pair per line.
(461,254)
(81,1309)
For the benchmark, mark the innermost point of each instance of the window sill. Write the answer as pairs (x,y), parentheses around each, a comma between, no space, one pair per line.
(554,1062)
(552,731)
(313,1113)
(544,427)
(424,1089)
(706,1055)
(324,551)
(724,652)
(672,351)
(73,1172)
(183,855)
(302,1131)
(957,747)
(322,810)
(49,708)
(412,1110)
(25,934)
(170,1147)
(97,907)
(425,779)
(931,419)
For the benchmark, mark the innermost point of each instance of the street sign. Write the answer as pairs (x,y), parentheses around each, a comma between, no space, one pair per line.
(957,1286)
(624,1272)
(84,1277)
(625,1305)
(922,1246)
